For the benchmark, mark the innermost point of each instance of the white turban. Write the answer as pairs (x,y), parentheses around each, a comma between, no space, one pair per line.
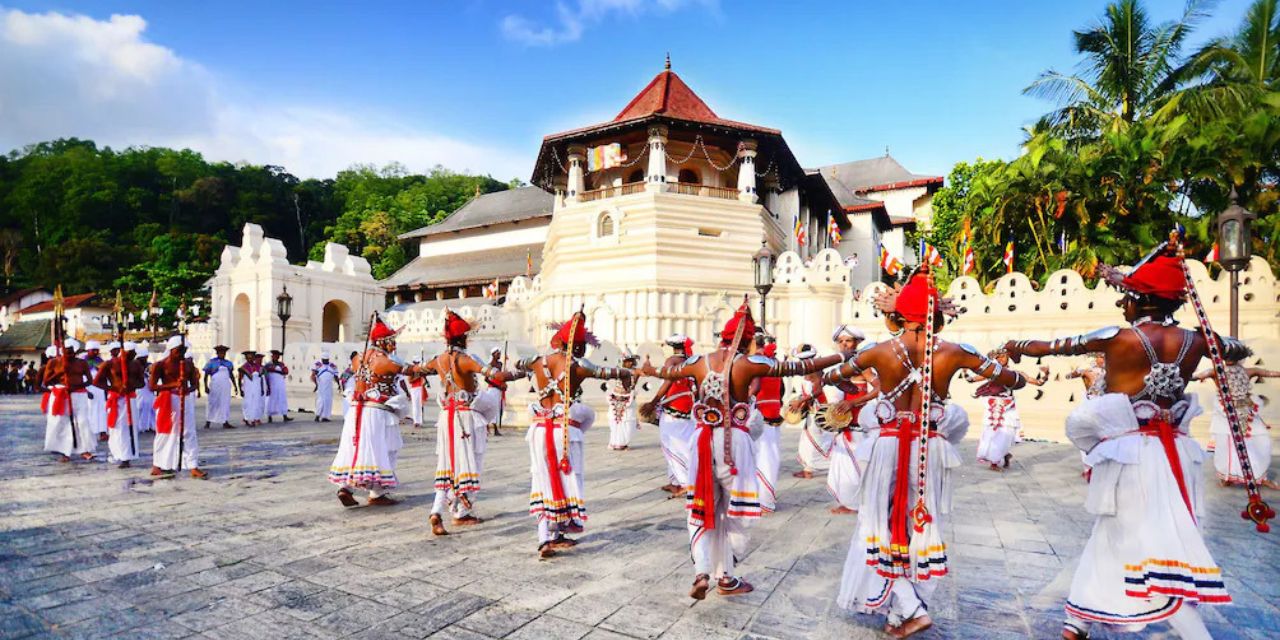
(416,359)
(72,344)
(51,351)
(677,340)
(324,355)
(143,351)
(91,345)
(130,346)
(111,345)
(495,351)
(175,342)
(848,330)
(804,352)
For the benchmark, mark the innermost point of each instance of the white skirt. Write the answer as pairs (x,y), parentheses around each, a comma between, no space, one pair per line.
(814,451)
(145,417)
(456,467)
(555,494)
(1000,425)
(97,413)
(254,407)
(366,457)
(59,434)
(845,477)
(768,462)
(218,411)
(623,420)
(122,440)
(277,395)
(1257,442)
(674,434)
(165,448)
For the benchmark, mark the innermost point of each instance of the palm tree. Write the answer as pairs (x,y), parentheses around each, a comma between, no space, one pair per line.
(1232,73)
(1128,72)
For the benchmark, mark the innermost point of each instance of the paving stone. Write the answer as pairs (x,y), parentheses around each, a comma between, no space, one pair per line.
(550,627)
(497,620)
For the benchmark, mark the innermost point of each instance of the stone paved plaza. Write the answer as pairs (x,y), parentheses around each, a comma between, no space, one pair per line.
(263,550)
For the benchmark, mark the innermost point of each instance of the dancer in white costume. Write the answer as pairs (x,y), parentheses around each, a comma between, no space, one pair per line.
(97,414)
(66,404)
(277,389)
(673,405)
(174,379)
(370,442)
(1146,560)
(253,387)
(324,377)
(495,394)
(347,381)
(121,377)
(459,425)
(814,450)
(219,384)
(416,381)
(558,420)
(723,497)
(766,392)
(897,554)
(1257,433)
(623,417)
(1094,377)
(145,418)
(1000,421)
(844,478)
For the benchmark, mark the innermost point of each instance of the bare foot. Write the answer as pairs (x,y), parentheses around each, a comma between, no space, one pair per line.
(842,510)
(803,473)
(467,521)
(545,551)
(912,627)
(437,525)
(198,474)
(382,501)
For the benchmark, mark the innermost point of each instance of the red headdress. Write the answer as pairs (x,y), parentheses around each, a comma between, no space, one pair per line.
(577,324)
(770,350)
(1161,276)
(913,300)
(454,325)
(741,319)
(380,331)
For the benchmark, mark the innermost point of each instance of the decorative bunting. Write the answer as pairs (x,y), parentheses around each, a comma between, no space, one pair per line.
(889,263)
(833,230)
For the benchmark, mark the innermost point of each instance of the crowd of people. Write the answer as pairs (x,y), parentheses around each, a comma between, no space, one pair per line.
(877,417)
(18,376)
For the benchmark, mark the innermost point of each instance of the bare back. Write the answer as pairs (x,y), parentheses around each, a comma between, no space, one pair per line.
(1129,362)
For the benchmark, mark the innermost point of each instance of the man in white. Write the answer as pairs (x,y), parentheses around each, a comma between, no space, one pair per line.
(66,405)
(623,421)
(1257,436)
(174,381)
(253,388)
(277,393)
(145,418)
(674,399)
(417,384)
(121,376)
(814,450)
(845,477)
(97,414)
(324,375)
(219,382)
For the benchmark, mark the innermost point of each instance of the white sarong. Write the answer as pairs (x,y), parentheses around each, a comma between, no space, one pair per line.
(254,407)
(168,447)
(845,477)
(555,495)
(277,395)
(145,417)
(218,409)
(122,439)
(674,433)
(417,400)
(457,473)
(623,418)
(768,462)
(369,446)
(97,412)
(325,377)
(59,434)
(1257,442)
(716,550)
(1000,425)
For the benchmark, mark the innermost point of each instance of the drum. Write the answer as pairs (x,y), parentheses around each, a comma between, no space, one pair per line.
(795,413)
(834,417)
(648,413)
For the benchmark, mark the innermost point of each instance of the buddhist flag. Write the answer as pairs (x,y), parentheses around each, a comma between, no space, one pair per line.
(1062,242)
(1213,255)
(929,254)
(889,263)
(833,230)
(1008,257)
(801,235)
(528,263)
(491,290)
(605,156)
(969,263)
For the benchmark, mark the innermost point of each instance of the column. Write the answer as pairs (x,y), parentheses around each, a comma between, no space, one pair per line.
(577,155)
(656,180)
(747,172)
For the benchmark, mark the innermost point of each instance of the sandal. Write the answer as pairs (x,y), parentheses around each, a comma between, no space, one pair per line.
(737,586)
(701,584)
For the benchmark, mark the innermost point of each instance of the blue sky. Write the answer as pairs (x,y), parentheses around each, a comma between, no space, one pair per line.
(317,86)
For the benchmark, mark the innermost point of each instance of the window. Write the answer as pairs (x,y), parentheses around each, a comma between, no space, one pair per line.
(688,176)
(605,226)
(636,176)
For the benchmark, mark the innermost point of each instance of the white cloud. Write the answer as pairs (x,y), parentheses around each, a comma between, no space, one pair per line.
(572,19)
(76,76)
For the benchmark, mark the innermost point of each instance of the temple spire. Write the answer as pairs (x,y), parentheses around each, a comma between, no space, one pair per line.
(668,65)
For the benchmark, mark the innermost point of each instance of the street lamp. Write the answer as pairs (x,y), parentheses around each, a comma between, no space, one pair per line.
(1235,247)
(284,309)
(762,262)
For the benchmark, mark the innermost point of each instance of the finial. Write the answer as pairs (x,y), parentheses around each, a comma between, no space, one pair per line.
(668,66)
(886,150)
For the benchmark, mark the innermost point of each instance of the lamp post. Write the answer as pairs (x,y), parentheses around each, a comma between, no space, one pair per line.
(762,263)
(1235,247)
(284,309)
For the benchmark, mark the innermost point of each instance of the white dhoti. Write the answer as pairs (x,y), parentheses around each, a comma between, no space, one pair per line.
(97,413)
(1257,442)
(145,417)
(768,462)
(555,493)
(845,477)
(457,472)
(486,407)
(623,419)
(718,538)
(324,394)
(61,410)
(254,406)
(890,567)
(122,438)
(175,416)
(417,401)
(218,409)
(369,447)
(277,395)
(1000,425)
(674,434)
(1145,560)
(814,451)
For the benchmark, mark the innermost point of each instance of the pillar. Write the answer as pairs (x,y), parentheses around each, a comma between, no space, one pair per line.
(656,180)
(747,172)
(577,155)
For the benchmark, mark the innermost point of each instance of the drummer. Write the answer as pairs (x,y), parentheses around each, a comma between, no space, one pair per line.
(815,444)
(845,400)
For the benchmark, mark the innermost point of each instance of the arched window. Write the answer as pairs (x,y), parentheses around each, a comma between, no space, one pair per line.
(605,226)
(688,176)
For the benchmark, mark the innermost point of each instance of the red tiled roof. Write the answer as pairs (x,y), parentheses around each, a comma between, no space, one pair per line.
(923,181)
(69,302)
(18,295)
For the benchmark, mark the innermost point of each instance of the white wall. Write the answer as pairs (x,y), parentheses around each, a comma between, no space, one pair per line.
(512,235)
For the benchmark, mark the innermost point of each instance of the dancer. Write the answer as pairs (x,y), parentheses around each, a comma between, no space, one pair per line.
(324,375)
(347,380)
(1094,375)
(814,450)
(416,379)
(1145,561)
(847,397)
(675,423)
(1000,421)
(723,496)
(767,393)
(277,391)
(897,554)
(1226,460)
(557,421)
(623,420)
(370,442)
(66,404)
(174,379)
(219,384)
(253,388)
(121,377)
(496,391)
(145,418)
(460,427)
